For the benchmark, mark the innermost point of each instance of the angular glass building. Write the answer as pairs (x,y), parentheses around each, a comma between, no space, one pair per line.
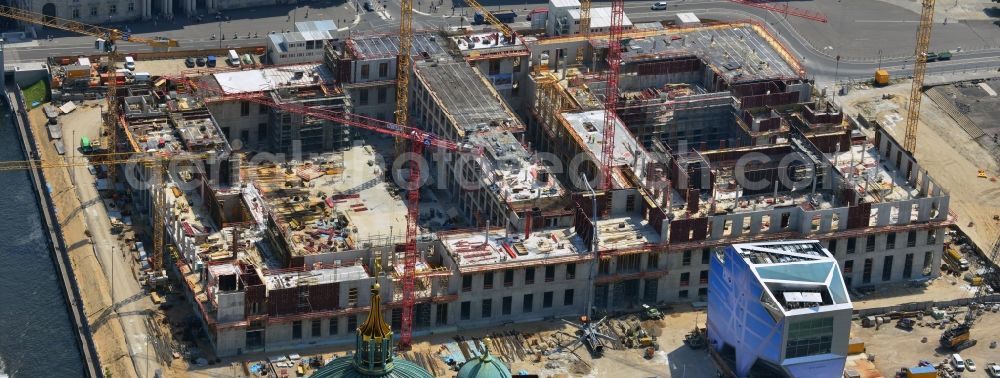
(781,307)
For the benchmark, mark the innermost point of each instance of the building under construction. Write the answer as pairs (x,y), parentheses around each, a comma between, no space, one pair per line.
(278,255)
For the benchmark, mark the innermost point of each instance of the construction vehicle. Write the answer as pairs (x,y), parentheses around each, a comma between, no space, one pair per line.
(917,372)
(954,257)
(695,339)
(959,337)
(651,313)
(905,324)
(881,77)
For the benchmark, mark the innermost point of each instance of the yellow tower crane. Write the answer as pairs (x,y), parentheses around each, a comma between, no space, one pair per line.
(403,69)
(584,26)
(493,20)
(919,67)
(110,37)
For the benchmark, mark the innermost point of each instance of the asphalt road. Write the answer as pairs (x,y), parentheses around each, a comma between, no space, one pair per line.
(812,42)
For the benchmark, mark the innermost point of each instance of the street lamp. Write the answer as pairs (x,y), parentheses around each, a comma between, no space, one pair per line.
(221,36)
(593,247)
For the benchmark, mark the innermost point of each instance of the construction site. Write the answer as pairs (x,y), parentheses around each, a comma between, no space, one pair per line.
(561,194)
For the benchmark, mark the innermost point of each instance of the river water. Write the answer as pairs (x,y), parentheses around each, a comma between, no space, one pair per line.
(36,333)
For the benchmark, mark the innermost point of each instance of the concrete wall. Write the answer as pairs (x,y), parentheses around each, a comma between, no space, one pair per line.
(230,341)
(231,306)
(517,291)
(296,52)
(244,128)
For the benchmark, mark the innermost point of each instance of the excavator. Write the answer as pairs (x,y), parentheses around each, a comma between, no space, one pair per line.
(959,337)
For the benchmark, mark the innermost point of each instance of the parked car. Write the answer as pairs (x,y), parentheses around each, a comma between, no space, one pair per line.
(92,169)
(369,7)
(993,370)
(189,62)
(957,362)
(970,365)
(200,62)
(659,5)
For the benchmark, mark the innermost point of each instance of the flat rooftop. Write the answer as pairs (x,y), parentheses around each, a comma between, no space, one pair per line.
(625,232)
(738,53)
(488,42)
(331,203)
(872,176)
(466,98)
(183,125)
(600,18)
(472,250)
(588,128)
(387,46)
(514,176)
(315,277)
(266,79)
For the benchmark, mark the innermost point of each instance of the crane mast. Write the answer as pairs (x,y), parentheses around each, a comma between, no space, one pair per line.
(584,26)
(403,69)
(413,186)
(611,91)
(919,68)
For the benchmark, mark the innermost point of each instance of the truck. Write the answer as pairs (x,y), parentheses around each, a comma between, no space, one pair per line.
(85,146)
(881,77)
(954,257)
(918,372)
(505,16)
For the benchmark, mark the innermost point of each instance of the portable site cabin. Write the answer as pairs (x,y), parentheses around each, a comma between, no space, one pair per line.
(85,144)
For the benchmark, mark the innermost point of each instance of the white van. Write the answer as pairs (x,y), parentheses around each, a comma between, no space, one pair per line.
(130,63)
(234,58)
(957,362)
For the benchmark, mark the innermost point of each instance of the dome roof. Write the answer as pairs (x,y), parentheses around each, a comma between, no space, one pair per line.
(484,366)
(343,367)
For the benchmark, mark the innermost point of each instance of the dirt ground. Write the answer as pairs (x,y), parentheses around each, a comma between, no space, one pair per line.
(885,344)
(94,288)
(945,287)
(673,359)
(947,152)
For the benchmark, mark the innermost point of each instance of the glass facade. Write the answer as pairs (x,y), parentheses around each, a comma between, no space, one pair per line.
(809,337)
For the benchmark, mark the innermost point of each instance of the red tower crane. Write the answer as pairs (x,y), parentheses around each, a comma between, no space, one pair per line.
(611,91)
(419,139)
